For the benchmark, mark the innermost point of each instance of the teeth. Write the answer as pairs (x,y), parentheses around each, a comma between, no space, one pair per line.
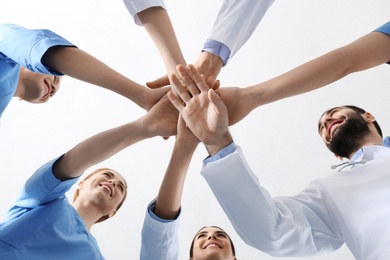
(212,245)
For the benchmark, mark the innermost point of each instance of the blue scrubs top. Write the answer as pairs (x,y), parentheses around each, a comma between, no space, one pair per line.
(23,47)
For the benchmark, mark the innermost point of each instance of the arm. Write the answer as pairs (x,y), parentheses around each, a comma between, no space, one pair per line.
(223,43)
(371,50)
(201,108)
(161,120)
(80,65)
(160,229)
(234,24)
(171,190)
(285,226)
(46,52)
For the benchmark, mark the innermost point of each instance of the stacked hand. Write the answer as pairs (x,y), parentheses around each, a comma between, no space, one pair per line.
(201,108)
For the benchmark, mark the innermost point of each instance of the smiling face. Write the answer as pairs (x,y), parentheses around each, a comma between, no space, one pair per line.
(36,87)
(105,189)
(212,243)
(343,130)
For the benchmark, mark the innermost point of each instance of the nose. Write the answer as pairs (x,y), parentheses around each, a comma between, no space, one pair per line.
(211,236)
(113,182)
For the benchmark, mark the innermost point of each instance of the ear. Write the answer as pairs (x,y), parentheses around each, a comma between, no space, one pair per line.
(111,214)
(80,185)
(368,117)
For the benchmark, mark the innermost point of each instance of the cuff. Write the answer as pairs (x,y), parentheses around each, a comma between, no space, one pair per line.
(217,48)
(221,154)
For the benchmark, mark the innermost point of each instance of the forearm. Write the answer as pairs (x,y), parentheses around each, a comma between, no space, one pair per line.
(170,194)
(364,53)
(158,25)
(80,65)
(281,226)
(99,148)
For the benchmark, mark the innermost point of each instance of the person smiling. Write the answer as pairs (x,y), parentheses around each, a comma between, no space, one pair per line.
(331,211)
(32,61)
(160,231)
(212,243)
(42,224)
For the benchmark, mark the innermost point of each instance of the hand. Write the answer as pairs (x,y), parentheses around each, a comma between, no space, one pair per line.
(201,108)
(207,64)
(184,134)
(236,102)
(152,97)
(161,120)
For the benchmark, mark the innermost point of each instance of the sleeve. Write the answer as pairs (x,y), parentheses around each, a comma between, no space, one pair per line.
(27,47)
(43,187)
(160,238)
(136,6)
(235,23)
(285,226)
(384,29)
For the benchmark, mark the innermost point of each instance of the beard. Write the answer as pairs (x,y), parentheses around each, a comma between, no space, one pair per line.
(349,136)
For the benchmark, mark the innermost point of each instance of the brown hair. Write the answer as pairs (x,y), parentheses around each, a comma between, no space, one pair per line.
(105,217)
(193,241)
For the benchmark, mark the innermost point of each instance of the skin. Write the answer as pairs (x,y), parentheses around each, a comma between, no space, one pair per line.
(100,195)
(201,108)
(78,64)
(157,23)
(171,189)
(334,119)
(92,201)
(366,52)
(35,87)
(212,243)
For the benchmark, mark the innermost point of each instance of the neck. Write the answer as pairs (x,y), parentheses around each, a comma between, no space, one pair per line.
(20,86)
(87,212)
(373,139)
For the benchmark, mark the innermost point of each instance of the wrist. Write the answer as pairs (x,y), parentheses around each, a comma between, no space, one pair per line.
(209,64)
(220,143)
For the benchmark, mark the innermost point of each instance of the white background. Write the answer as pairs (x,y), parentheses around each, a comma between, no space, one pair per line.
(280,140)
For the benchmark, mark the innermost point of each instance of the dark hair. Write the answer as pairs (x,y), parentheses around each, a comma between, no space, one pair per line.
(362,111)
(105,217)
(193,241)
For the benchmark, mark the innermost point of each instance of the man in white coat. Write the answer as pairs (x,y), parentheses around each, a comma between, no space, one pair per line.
(351,206)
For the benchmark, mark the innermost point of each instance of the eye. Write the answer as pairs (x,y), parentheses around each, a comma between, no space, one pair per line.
(201,235)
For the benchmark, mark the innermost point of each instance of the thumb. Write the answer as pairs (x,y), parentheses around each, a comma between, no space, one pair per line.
(158,83)
(216,100)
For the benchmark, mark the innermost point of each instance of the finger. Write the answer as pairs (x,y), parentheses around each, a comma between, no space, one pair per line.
(158,83)
(217,102)
(210,81)
(197,78)
(179,89)
(216,85)
(187,80)
(176,101)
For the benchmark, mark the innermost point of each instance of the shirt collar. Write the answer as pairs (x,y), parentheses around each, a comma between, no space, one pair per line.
(360,152)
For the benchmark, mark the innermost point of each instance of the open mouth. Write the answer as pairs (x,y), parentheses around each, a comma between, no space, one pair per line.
(107,188)
(212,245)
(331,128)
